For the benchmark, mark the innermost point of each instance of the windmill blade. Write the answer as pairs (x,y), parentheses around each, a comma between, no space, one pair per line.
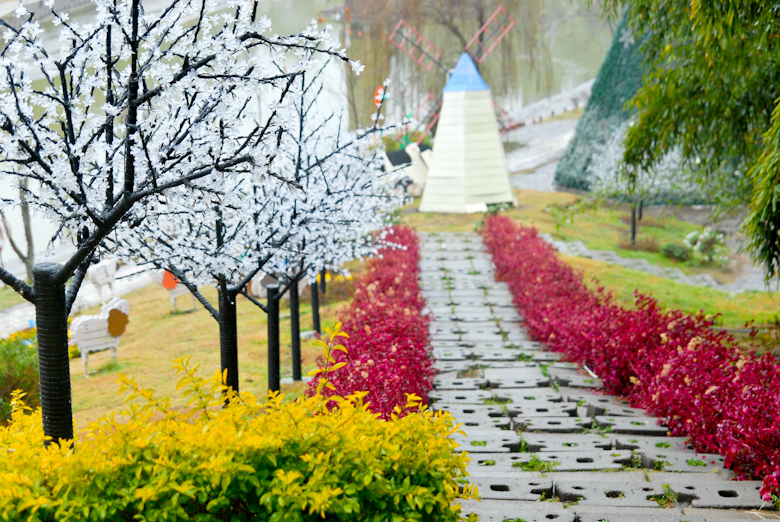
(416,46)
(427,113)
(488,36)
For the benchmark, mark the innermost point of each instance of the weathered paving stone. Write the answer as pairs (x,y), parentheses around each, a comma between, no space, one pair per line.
(649,444)
(623,514)
(524,395)
(552,424)
(686,461)
(489,423)
(464,384)
(482,327)
(475,338)
(496,355)
(451,354)
(632,425)
(573,379)
(712,490)
(601,492)
(487,441)
(582,460)
(536,408)
(501,510)
(547,356)
(519,377)
(576,442)
(449,366)
(466,412)
(460,397)
(512,488)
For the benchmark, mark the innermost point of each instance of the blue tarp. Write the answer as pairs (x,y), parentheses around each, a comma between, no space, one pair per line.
(465,77)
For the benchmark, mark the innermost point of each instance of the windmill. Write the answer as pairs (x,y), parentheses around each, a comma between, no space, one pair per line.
(425,54)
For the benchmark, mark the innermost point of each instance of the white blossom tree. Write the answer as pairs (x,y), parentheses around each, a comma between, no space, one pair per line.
(131,108)
(334,196)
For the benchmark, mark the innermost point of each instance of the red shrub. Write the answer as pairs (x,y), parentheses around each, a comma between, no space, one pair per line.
(671,363)
(388,345)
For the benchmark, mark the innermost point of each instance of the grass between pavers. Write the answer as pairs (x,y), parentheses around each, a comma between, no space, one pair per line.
(9,298)
(155,336)
(736,309)
(604,229)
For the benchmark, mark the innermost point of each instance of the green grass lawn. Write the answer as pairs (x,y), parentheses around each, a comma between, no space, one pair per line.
(735,309)
(9,298)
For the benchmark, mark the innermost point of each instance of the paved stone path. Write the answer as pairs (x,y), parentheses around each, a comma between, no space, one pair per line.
(595,458)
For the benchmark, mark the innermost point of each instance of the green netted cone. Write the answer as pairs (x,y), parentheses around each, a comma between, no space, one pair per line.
(619,78)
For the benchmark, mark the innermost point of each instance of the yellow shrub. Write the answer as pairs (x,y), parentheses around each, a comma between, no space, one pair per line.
(275,460)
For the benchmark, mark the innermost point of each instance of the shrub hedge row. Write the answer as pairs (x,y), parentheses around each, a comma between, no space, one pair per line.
(388,347)
(673,364)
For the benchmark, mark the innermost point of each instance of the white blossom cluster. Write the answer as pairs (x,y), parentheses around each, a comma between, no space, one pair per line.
(324,215)
(136,116)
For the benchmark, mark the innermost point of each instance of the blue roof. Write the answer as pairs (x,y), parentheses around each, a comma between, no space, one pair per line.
(465,77)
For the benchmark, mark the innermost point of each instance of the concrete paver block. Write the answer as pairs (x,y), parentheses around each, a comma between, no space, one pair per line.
(460,397)
(541,409)
(487,441)
(521,377)
(552,424)
(581,460)
(623,514)
(466,412)
(686,461)
(512,488)
(451,354)
(650,444)
(607,493)
(632,425)
(501,510)
(536,442)
(706,491)
(543,356)
(525,395)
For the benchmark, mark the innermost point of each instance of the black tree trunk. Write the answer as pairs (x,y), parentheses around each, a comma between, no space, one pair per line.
(53,364)
(273,337)
(295,329)
(323,283)
(228,337)
(315,307)
(641,206)
(633,223)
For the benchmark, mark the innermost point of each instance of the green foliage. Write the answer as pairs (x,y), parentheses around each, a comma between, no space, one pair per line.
(666,499)
(536,465)
(18,370)
(676,251)
(710,92)
(308,459)
(696,462)
(73,351)
(708,247)
(617,82)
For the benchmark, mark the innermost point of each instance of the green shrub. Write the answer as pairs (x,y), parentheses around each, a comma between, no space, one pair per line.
(18,370)
(676,251)
(73,351)
(314,458)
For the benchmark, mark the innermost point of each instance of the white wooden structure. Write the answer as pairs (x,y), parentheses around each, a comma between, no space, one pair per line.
(103,275)
(96,333)
(468,170)
(175,289)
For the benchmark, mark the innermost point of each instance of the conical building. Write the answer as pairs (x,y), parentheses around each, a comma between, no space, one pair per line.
(468,170)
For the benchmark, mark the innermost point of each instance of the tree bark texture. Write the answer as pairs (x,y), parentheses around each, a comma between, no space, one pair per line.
(273,337)
(295,329)
(315,307)
(228,338)
(53,362)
